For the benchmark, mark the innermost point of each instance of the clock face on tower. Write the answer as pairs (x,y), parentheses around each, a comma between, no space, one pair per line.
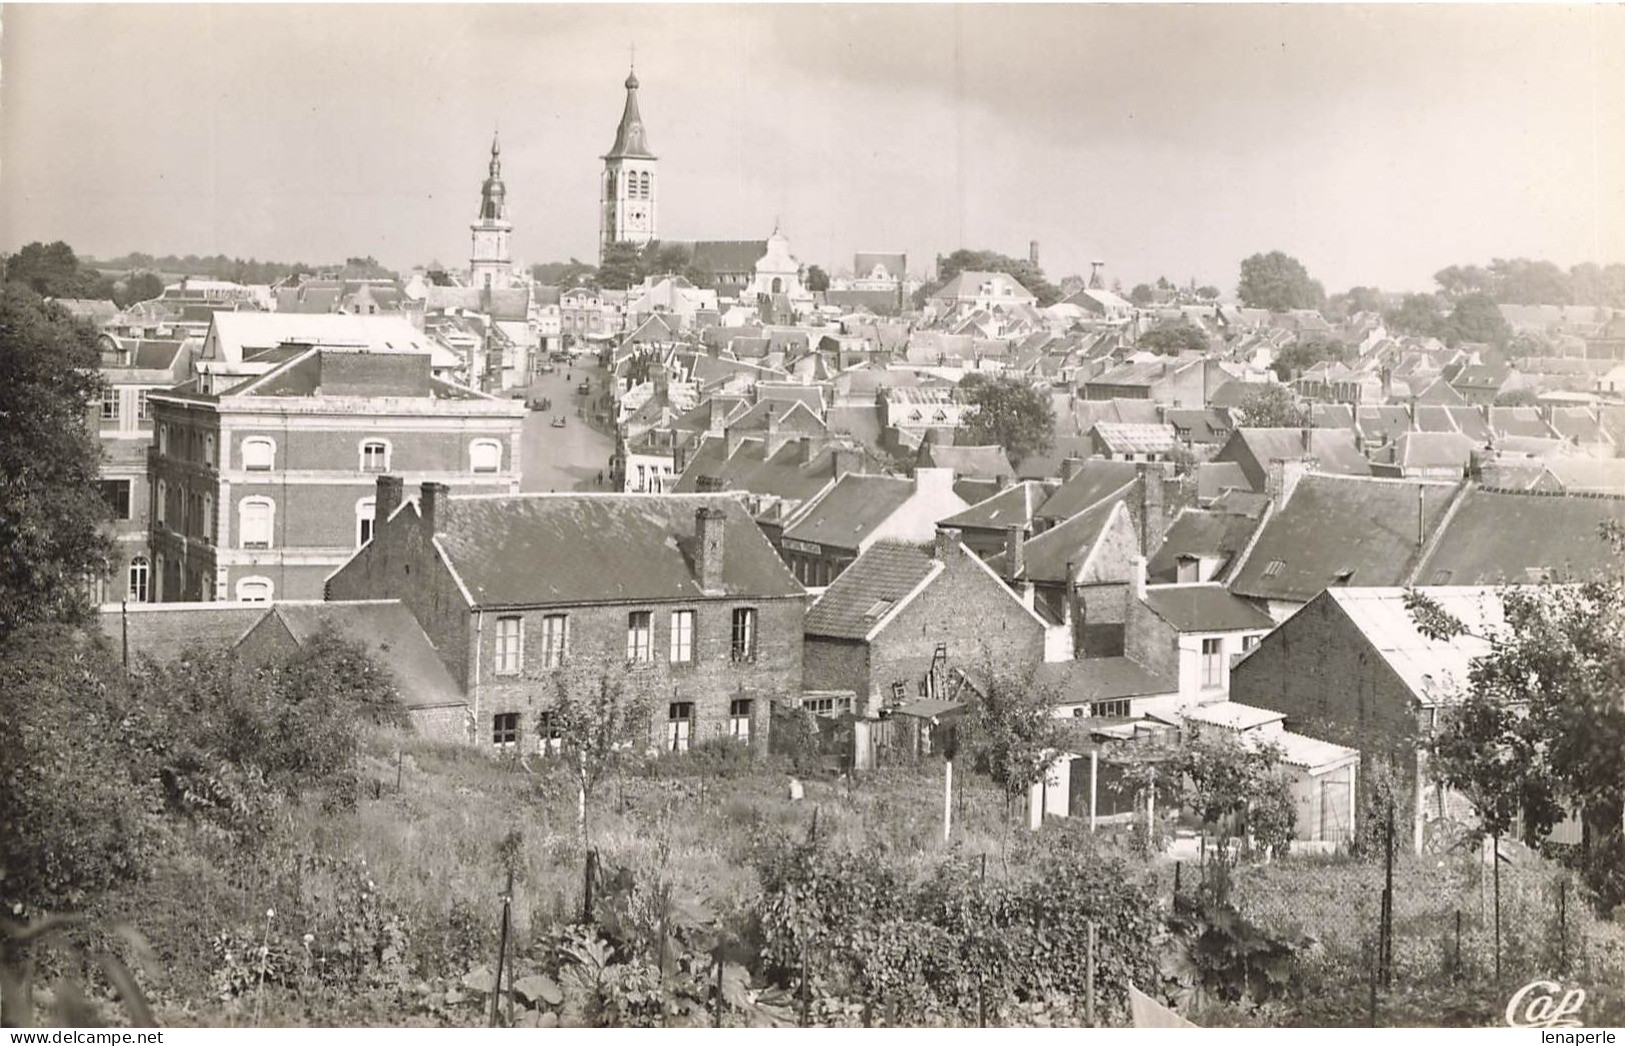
(637,220)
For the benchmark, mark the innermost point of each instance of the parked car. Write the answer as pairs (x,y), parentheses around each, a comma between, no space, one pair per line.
(540,404)
(558,421)
(584,388)
(547,368)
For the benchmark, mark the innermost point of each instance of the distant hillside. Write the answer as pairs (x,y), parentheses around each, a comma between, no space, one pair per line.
(237,270)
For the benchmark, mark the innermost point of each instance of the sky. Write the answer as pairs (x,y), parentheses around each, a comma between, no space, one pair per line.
(1377,144)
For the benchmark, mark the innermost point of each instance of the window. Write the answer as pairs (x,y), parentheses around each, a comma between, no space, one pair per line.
(743,647)
(505,729)
(143,409)
(254,519)
(510,640)
(163,496)
(110,398)
(259,454)
(739,719)
(254,590)
(1249,642)
(208,448)
(1119,709)
(140,576)
(682,636)
(374,456)
(638,635)
(555,639)
(1212,663)
(833,705)
(206,518)
(679,725)
(365,514)
(163,439)
(898,692)
(549,739)
(485,455)
(116,492)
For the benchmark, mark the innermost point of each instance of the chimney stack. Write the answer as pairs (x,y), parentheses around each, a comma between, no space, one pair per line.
(1152,522)
(432,498)
(387,500)
(709,523)
(1015,551)
(1282,479)
(1139,577)
(847,460)
(947,539)
(1070,468)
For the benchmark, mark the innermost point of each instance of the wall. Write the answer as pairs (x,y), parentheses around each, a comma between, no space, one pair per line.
(836,664)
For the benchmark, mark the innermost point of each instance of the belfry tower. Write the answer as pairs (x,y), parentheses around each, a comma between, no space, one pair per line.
(489,265)
(626,209)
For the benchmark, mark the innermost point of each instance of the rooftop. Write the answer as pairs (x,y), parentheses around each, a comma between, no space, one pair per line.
(880,580)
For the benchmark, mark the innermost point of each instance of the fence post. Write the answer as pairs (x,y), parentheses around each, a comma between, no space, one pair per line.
(1089,986)
(1373,962)
(806,996)
(502,951)
(1456,971)
(717,1020)
(1177,866)
(1386,946)
(586,896)
(1563,924)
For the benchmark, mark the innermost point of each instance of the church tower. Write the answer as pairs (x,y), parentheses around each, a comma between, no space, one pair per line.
(490,267)
(627,190)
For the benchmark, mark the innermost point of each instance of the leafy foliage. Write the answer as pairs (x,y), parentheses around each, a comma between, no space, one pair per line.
(1525,281)
(1277,281)
(1418,315)
(1010,413)
(1305,353)
(1021,270)
(817,278)
(1174,338)
(1008,730)
(1476,318)
(1272,406)
(1239,789)
(600,712)
(50,504)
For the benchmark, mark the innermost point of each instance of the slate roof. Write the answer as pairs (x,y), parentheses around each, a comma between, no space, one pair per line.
(811,396)
(1433,450)
(1205,607)
(1381,424)
(1333,449)
(1138,374)
(968,462)
(1587,475)
(1045,556)
(1011,506)
(164,631)
(1048,464)
(784,475)
(1440,394)
(1463,419)
(1233,394)
(548,549)
(850,510)
(1336,525)
(1093,679)
(1095,480)
(1497,536)
(1215,477)
(871,587)
(1578,424)
(1518,421)
(387,631)
(728,256)
(155,354)
(1202,534)
(1198,426)
(860,422)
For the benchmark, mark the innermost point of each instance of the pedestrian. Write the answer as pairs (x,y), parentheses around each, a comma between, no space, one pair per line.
(600,477)
(797,793)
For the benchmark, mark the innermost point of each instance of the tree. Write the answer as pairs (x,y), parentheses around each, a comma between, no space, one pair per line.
(54,271)
(1239,789)
(1008,731)
(1476,318)
(1305,353)
(1417,315)
(601,719)
(1010,413)
(1272,407)
(1142,294)
(1173,338)
(1021,270)
(563,274)
(817,279)
(1519,397)
(1277,281)
(51,508)
(622,266)
(1541,728)
(143,286)
(1208,292)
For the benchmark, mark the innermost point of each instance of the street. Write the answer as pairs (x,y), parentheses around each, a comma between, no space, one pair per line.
(568,458)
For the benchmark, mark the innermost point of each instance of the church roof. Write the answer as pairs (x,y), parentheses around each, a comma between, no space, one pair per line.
(629,137)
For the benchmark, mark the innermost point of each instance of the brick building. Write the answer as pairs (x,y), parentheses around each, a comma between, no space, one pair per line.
(512,588)
(261,489)
(903,614)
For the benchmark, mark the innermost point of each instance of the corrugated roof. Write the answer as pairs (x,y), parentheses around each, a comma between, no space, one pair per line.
(1232,715)
(1132,438)
(867,590)
(1434,670)
(543,549)
(1205,607)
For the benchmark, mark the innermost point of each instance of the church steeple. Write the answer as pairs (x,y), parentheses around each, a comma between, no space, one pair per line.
(493,195)
(630,139)
(490,266)
(627,189)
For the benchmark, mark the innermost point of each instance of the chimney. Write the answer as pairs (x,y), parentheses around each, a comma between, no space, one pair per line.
(1282,479)
(947,539)
(709,523)
(1015,551)
(432,498)
(1002,481)
(1305,439)
(1069,468)
(679,457)
(387,500)
(661,380)
(1152,521)
(1139,577)
(806,451)
(934,481)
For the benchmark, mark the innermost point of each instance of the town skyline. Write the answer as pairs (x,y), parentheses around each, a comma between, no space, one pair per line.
(1376,144)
